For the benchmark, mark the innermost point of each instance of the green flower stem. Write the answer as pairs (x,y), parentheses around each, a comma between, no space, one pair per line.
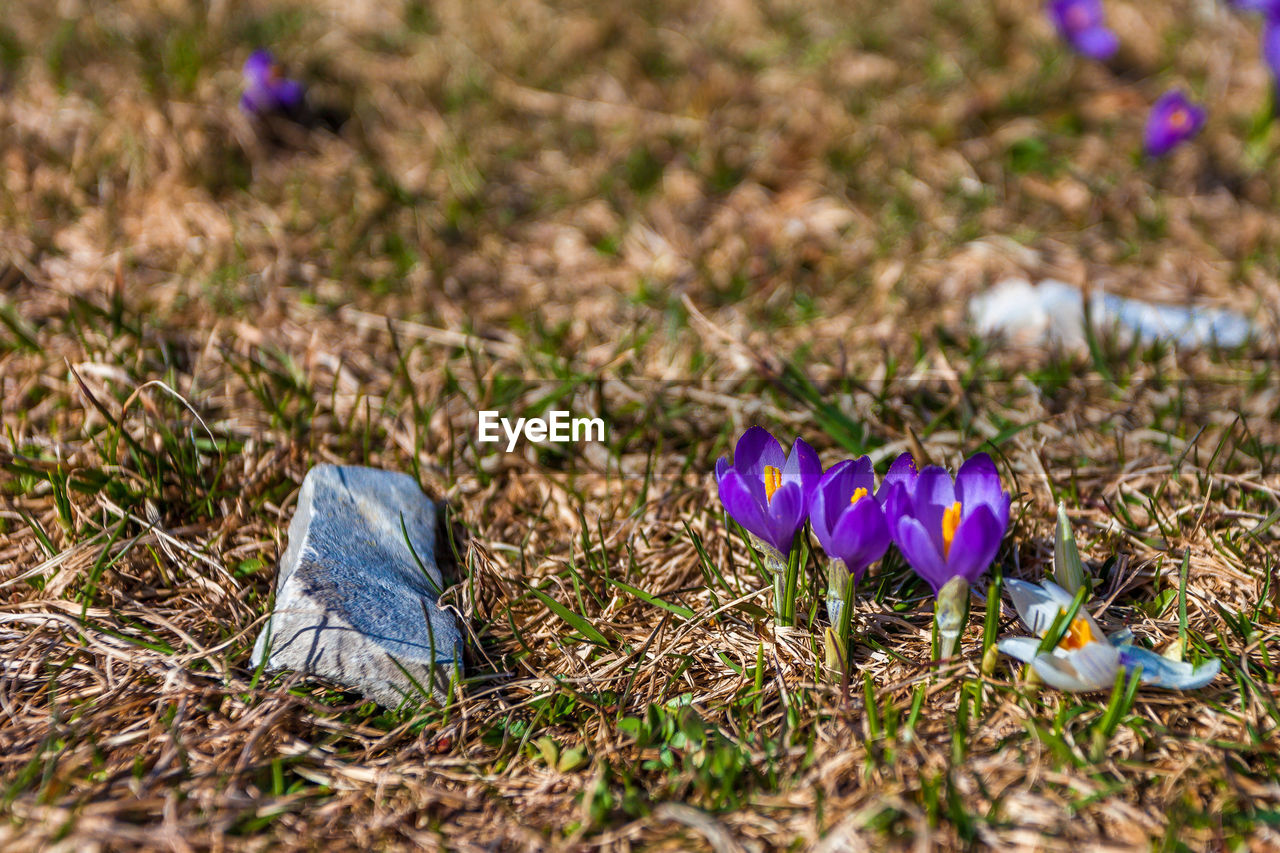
(790,582)
(786,575)
(990,624)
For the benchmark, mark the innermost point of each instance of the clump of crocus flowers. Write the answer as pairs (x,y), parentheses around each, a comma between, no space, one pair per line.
(949,530)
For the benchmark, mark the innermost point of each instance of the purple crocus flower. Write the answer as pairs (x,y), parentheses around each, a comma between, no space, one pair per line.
(1173,120)
(1081,23)
(948,529)
(847,520)
(266,91)
(767,491)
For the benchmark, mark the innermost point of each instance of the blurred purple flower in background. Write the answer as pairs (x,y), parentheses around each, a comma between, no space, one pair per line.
(950,530)
(1173,120)
(1271,43)
(266,91)
(1081,23)
(767,492)
(1268,7)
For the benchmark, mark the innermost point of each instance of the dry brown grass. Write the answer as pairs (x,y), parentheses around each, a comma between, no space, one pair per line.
(682,200)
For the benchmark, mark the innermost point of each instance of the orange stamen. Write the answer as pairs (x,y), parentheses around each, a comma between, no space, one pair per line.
(772,481)
(858,494)
(1078,635)
(950,521)
(1179,119)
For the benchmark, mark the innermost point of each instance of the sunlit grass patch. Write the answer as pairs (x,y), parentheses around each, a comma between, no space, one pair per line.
(688,221)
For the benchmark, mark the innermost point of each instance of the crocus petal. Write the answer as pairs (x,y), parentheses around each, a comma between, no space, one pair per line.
(1159,671)
(823,514)
(918,548)
(803,463)
(756,449)
(265,90)
(1074,15)
(1123,637)
(722,466)
(1023,648)
(753,482)
(1159,141)
(1057,593)
(288,93)
(903,470)
(785,515)
(1038,605)
(862,475)
(897,505)
(257,68)
(934,486)
(744,507)
(1096,43)
(1083,24)
(835,490)
(1064,599)
(975,544)
(860,536)
(804,469)
(978,484)
(934,494)
(1093,667)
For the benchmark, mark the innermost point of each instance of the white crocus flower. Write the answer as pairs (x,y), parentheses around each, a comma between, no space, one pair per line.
(1086,658)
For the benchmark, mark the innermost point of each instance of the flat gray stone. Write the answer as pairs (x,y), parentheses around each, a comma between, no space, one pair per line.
(353,603)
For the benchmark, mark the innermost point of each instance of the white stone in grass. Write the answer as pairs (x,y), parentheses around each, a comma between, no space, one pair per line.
(1026,314)
(357,589)
(1053,312)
